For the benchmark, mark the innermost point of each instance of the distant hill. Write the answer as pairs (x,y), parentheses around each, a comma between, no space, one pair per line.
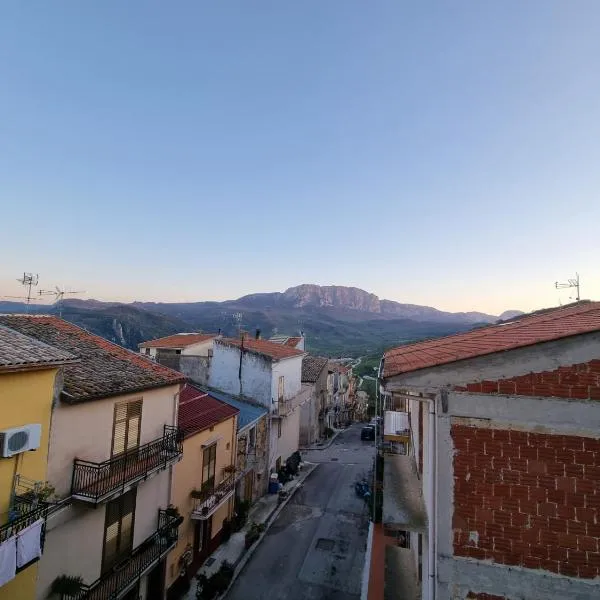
(337,320)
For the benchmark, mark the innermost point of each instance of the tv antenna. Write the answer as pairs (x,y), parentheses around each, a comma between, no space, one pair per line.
(59,294)
(28,281)
(571,283)
(237,317)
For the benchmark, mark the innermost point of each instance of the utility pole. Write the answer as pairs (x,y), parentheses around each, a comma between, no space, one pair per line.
(571,283)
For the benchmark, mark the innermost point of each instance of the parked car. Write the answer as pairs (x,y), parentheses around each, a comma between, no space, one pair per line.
(368,433)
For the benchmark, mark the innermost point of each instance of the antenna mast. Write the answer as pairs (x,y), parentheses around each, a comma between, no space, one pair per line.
(571,283)
(59,294)
(29,280)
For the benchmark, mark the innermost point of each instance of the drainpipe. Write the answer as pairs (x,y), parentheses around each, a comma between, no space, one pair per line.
(432,477)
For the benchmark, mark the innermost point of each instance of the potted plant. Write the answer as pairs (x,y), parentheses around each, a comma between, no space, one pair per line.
(229,469)
(253,533)
(172,511)
(66,586)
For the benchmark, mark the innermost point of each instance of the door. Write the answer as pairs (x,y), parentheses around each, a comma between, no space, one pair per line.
(202,537)
(118,530)
(209,461)
(248,486)
(156,582)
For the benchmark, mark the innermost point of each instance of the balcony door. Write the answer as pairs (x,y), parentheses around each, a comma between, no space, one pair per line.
(209,461)
(126,426)
(118,530)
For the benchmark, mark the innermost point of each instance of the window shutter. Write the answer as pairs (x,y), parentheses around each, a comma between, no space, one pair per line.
(126,430)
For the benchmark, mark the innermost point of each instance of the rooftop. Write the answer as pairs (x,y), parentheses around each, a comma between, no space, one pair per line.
(199,410)
(179,340)
(19,352)
(265,348)
(104,369)
(542,326)
(312,367)
(249,412)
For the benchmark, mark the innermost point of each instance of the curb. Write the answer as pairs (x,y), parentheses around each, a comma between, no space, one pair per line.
(331,439)
(269,521)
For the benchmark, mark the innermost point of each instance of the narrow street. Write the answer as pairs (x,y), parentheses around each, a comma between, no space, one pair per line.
(316,547)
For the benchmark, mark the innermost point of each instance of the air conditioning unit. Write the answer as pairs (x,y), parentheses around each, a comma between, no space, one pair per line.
(20,439)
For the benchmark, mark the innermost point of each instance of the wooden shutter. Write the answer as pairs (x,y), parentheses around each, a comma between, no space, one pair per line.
(118,529)
(126,428)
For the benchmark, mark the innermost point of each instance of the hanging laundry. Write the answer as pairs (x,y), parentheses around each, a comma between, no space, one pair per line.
(8,560)
(29,545)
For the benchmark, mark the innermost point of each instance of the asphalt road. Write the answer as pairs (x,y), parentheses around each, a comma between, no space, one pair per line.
(315,549)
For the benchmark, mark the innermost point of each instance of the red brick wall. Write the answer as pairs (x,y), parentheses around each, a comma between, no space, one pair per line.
(575,381)
(532,498)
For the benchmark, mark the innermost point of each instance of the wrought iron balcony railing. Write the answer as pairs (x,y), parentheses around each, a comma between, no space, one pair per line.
(98,482)
(25,515)
(125,575)
(207,501)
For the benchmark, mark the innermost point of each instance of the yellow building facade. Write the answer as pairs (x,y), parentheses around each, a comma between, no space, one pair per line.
(203,481)
(28,371)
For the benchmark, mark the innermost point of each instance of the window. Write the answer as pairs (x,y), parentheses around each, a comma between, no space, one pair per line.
(118,530)
(209,459)
(278,428)
(281,388)
(252,439)
(126,426)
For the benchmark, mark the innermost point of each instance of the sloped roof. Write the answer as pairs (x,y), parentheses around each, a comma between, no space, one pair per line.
(285,340)
(249,412)
(19,351)
(199,411)
(265,348)
(527,330)
(179,340)
(104,369)
(312,367)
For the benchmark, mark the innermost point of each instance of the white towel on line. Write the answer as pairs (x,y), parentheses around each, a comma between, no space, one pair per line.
(29,543)
(8,560)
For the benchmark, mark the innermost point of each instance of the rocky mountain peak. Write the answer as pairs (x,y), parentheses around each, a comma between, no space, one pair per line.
(336,296)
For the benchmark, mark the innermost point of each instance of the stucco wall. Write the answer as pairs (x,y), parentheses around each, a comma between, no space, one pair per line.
(25,398)
(187,476)
(85,430)
(291,369)
(256,374)
(200,349)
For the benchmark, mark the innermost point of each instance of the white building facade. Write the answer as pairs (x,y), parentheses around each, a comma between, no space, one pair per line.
(268,374)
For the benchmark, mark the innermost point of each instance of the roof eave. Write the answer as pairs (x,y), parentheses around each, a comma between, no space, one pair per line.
(135,390)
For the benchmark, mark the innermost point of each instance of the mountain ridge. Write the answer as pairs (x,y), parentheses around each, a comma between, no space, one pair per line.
(337,320)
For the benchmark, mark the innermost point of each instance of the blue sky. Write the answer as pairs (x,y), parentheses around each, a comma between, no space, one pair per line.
(440,153)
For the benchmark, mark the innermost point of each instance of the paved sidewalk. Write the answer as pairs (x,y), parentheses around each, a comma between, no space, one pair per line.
(325,445)
(233,550)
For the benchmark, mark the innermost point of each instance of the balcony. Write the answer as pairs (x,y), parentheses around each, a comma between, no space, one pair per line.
(22,514)
(125,576)
(208,501)
(403,505)
(283,407)
(99,482)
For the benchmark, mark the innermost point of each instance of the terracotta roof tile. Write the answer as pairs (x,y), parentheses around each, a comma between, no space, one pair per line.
(198,410)
(18,351)
(541,326)
(312,367)
(104,369)
(293,341)
(179,340)
(266,348)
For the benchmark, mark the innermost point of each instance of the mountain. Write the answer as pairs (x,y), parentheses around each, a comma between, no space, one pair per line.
(337,320)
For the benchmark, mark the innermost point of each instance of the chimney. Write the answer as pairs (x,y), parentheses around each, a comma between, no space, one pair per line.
(219,334)
(257,335)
